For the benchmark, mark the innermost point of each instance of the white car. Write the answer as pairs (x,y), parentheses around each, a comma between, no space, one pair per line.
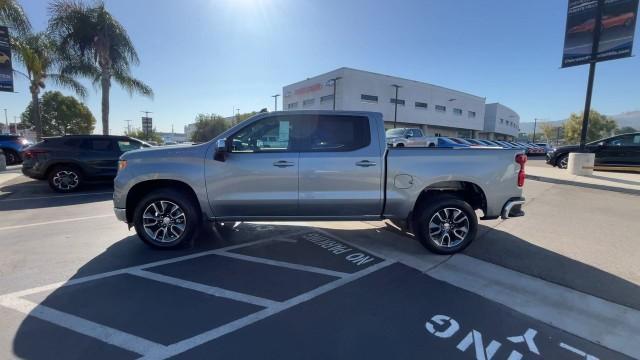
(406,137)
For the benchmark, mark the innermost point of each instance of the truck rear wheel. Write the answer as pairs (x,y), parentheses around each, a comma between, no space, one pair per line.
(445,224)
(166,219)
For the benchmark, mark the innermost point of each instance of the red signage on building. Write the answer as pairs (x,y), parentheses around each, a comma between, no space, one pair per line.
(308,89)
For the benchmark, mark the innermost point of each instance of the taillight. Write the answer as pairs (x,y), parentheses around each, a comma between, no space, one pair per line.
(32,153)
(521,159)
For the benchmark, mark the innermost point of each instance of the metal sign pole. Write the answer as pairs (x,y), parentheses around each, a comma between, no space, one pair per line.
(592,73)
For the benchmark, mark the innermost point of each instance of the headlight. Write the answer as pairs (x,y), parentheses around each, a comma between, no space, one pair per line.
(122,164)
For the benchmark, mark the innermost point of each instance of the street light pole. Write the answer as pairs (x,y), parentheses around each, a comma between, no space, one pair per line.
(335,86)
(395,111)
(535,121)
(275,102)
(6,120)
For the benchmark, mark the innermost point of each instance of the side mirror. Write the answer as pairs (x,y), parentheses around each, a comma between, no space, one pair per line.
(220,150)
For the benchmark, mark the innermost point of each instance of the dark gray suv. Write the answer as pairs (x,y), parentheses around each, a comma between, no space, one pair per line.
(68,161)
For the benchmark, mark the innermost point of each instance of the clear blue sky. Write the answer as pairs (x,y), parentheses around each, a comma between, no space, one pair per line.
(211,56)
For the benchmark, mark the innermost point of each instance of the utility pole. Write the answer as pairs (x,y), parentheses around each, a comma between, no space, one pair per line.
(15,124)
(275,102)
(128,126)
(6,120)
(335,86)
(535,121)
(395,111)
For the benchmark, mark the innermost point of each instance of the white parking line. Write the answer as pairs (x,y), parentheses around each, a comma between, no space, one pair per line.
(283,264)
(56,196)
(101,332)
(211,290)
(55,222)
(187,344)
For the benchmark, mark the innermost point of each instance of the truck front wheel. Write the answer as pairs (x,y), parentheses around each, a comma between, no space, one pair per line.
(445,224)
(166,219)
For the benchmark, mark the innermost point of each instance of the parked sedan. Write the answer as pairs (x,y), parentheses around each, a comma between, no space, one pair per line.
(68,161)
(621,152)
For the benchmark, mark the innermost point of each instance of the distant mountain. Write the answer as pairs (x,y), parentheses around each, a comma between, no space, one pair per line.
(630,118)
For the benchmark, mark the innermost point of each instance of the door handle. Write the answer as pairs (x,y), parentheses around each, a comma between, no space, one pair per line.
(283,164)
(365,163)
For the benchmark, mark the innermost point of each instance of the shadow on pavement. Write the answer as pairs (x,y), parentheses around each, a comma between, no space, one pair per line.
(24,193)
(620,181)
(504,249)
(38,339)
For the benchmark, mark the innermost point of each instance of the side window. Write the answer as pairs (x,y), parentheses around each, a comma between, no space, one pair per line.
(626,140)
(411,134)
(73,142)
(418,133)
(128,145)
(272,134)
(97,145)
(336,133)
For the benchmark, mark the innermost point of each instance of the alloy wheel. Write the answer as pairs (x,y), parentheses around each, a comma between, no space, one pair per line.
(564,162)
(164,221)
(448,227)
(66,180)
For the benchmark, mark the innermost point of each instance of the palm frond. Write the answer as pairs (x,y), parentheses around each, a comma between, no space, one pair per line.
(69,82)
(12,14)
(131,84)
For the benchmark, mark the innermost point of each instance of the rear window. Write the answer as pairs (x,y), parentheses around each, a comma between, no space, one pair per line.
(97,144)
(336,133)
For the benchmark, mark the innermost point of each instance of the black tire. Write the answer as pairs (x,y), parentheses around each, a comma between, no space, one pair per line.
(563,161)
(11,157)
(433,210)
(190,221)
(65,179)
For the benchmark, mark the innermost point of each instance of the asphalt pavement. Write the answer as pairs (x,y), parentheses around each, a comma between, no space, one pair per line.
(75,283)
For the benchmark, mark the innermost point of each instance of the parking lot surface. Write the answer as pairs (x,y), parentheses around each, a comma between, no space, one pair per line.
(76,284)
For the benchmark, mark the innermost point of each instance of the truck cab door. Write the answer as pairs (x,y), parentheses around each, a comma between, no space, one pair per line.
(259,176)
(99,157)
(340,168)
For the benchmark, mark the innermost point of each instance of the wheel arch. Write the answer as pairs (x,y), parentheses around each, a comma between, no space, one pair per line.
(464,190)
(139,190)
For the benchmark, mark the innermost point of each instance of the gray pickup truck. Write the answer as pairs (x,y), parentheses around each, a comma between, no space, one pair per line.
(316,165)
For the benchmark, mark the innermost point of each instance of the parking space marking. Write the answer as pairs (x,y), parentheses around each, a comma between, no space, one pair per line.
(152,350)
(187,344)
(283,264)
(55,222)
(86,327)
(211,290)
(55,197)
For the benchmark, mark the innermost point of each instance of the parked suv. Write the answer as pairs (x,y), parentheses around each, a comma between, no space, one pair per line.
(68,161)
(12,145)
(621,152)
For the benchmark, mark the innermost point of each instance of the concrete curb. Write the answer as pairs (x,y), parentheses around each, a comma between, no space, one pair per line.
(585,185)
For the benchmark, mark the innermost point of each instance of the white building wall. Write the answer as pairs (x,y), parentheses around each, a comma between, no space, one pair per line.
(502,120)
(354,83)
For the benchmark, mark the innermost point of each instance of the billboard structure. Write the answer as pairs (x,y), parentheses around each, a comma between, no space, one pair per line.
(147,125)
(6,68)
(599,30)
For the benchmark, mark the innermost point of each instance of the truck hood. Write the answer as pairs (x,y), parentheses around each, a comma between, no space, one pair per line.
(165,151)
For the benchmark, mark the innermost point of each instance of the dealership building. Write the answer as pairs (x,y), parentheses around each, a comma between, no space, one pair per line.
(439,111)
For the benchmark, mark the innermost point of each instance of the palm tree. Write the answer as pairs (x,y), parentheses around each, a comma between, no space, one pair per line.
(12,15)
(95,45)
(37,52)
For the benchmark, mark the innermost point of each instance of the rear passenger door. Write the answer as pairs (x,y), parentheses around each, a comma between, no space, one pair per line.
(100,157)
(340,170)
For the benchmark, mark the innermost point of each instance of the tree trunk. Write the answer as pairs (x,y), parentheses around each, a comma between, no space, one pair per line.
(35,112)
(106,85)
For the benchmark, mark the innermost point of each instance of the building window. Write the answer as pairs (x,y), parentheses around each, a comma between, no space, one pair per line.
(368,98)
(441,108)
(471,114)
(501,121)
(326,98)
(457,111)
(421,105)
(397,101)
(293,105)
(308,102)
